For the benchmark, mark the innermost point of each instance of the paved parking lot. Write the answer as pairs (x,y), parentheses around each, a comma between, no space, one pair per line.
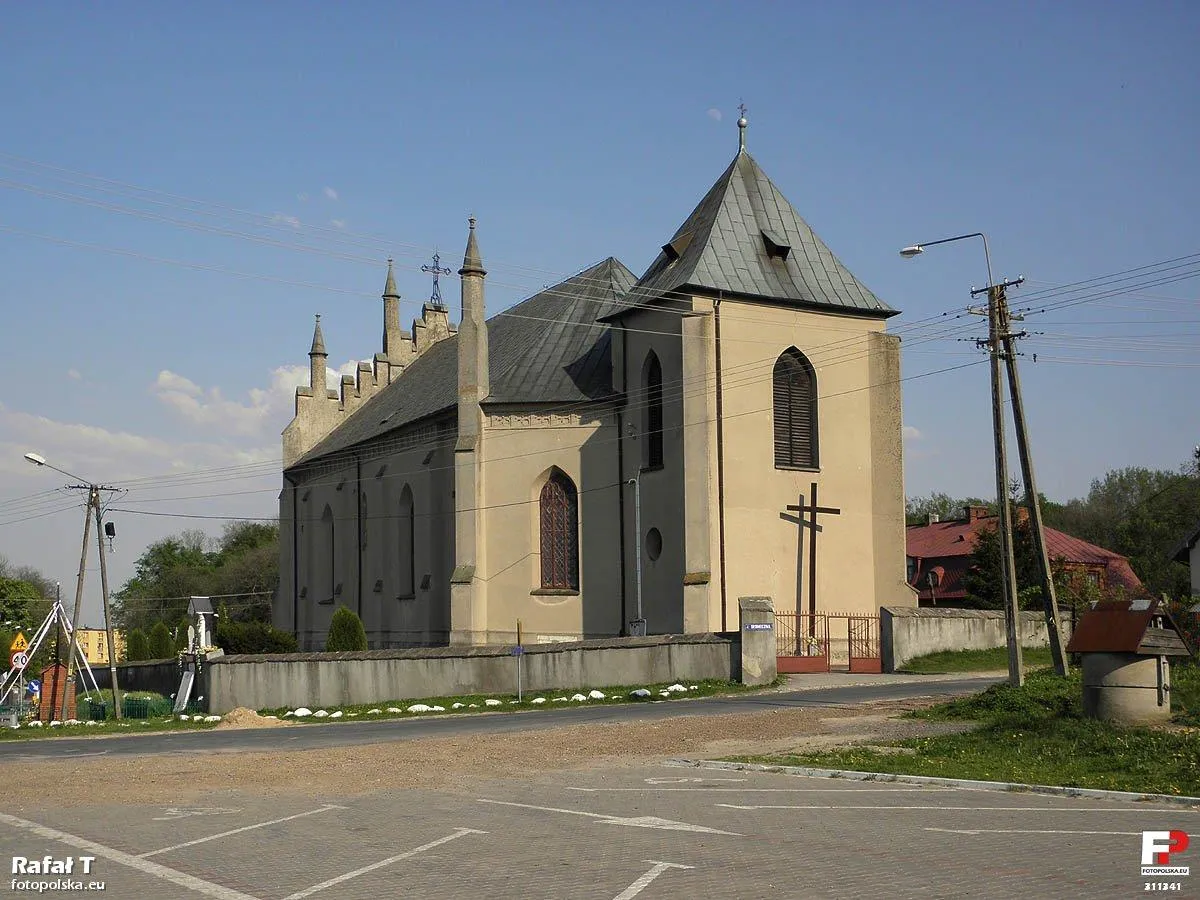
(648,831)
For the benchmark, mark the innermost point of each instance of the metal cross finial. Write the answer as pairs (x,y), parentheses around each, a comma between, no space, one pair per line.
(742,108)
(742,126)
(435,299)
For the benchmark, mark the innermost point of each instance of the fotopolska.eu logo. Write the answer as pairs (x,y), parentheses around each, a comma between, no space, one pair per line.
(1158,848)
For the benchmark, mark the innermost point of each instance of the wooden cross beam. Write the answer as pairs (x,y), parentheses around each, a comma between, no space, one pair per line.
(812,509)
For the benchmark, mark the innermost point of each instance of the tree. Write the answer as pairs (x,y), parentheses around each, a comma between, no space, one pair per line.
(161,646)
(17,605)
(346,631)
(243,565)
(983,580)
(137,648)
(253,637)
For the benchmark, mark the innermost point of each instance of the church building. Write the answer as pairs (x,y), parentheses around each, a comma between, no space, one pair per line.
(613,455)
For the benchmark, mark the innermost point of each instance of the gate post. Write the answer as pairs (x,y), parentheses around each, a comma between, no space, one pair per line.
(758,640)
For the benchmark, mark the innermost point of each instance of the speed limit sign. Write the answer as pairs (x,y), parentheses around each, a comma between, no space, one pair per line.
(19,660)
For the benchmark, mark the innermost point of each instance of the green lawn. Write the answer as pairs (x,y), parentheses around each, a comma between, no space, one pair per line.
(477,703)
(1037,734)
(994,659)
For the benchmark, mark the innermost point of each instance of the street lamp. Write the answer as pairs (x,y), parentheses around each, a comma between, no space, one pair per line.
(92,508)
(1008,567)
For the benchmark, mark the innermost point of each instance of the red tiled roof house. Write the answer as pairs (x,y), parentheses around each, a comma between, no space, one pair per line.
(939,556)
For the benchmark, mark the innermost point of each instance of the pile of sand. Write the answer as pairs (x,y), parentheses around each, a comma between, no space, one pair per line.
(247,718)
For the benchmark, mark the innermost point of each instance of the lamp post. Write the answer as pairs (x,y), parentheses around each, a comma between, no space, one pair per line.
(91,509)
(1007,562)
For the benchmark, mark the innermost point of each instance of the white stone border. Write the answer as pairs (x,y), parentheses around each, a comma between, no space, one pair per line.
(1090,793)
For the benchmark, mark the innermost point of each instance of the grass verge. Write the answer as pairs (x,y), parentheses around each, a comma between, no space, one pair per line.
(477,703)
(1036,734)
(994,659)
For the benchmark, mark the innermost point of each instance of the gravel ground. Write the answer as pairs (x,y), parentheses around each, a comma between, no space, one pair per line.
(456,763)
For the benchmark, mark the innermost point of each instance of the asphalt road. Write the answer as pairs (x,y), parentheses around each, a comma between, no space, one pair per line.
(342,733)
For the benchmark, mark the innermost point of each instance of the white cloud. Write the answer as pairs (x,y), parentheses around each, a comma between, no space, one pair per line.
(283,219)
(715,114)
(338,223)
(264,412)
(331,193)
(74,375)
(912,433)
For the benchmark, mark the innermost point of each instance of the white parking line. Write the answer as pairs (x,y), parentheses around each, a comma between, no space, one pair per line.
(154,870)
(632,821)
(746,790)
(1051,809)
(213,837)
(458,832)
(1025,831)
(641,884)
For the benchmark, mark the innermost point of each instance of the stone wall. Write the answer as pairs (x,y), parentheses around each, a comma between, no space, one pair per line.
(906,633)
(377,676)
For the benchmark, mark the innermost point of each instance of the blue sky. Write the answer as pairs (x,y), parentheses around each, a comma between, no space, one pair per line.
(1066,131)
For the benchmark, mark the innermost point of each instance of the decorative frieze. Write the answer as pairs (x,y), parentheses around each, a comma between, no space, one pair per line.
(542,420)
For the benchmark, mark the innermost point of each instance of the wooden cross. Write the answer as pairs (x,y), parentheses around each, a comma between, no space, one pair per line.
(813,528)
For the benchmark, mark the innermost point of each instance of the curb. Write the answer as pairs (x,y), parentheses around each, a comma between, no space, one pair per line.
(1087,793)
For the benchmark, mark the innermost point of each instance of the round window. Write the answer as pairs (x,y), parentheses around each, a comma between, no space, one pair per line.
(654,543)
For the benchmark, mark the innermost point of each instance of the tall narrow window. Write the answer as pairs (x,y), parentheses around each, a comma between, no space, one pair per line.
(795,395)
(408,544)
(653,388)
(330,549)
(559,516)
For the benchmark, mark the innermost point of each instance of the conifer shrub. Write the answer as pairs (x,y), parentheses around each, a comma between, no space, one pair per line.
(161,645)
(137,648)
(346,632)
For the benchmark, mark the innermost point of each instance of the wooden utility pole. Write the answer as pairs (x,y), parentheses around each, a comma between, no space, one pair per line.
(108,621)
(1008,569)
(1049,599)
(87,529)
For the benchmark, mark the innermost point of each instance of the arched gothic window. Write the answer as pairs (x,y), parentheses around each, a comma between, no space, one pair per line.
(408,545)
(559,518)
(795,402)
(652,385)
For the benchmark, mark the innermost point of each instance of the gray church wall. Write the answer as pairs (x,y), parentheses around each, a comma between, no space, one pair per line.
(661,488)
(336,679)
(283,607)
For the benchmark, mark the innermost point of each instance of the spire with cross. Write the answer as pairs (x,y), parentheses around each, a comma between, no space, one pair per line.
(437,270)
(741,125)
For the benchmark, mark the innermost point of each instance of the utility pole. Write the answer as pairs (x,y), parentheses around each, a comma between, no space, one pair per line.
(108,621)
(87,526)
(1008,569)
(1049,599)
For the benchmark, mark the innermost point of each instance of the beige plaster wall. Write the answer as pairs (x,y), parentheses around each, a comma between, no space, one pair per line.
(761,548)
(520,450)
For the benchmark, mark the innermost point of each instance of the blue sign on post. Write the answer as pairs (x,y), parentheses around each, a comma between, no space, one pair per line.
(759,626)
(517,651)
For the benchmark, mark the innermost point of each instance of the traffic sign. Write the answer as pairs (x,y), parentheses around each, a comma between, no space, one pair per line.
(18,660)
(19,643)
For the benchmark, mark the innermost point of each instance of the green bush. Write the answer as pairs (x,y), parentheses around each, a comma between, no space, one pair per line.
(137,647)
(161,645)
(181,634)
(253,637)
(346,632)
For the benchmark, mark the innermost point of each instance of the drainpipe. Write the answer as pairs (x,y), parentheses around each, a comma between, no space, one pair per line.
(621,519)
(720,461)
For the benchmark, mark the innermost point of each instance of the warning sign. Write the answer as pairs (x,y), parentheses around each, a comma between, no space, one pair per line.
(19,644)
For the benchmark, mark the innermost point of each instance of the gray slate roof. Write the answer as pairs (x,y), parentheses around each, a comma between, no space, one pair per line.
(723,246)
(547,349)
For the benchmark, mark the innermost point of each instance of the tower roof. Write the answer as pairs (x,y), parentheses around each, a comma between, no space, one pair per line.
(745,238)
(472,262)
(389,287)
(318,344)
